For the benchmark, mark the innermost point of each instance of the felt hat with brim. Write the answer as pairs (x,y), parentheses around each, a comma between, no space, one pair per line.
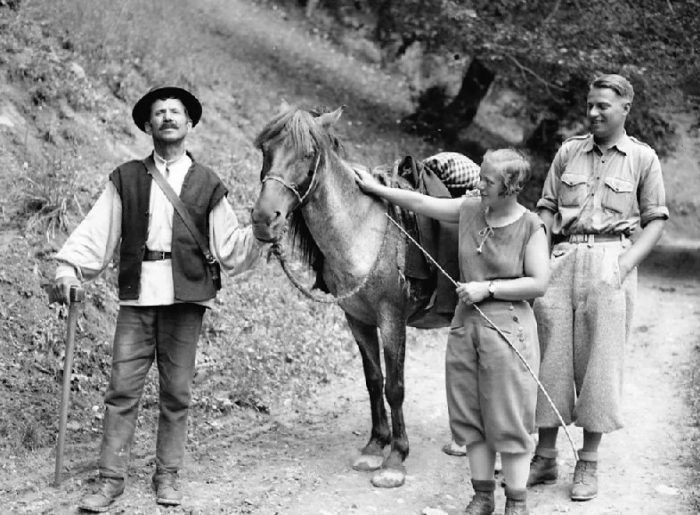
(142,110)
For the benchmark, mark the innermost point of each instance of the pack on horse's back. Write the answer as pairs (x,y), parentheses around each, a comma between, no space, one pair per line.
(444,175)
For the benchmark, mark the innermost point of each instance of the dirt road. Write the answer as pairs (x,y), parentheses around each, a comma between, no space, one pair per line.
(296,461)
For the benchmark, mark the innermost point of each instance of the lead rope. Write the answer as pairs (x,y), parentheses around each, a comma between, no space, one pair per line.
(280,254)
(499,331)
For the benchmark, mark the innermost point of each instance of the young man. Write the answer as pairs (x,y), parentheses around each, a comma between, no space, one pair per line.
(602,189)
(165,285)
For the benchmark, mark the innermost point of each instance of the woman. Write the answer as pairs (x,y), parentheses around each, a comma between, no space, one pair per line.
(504,262)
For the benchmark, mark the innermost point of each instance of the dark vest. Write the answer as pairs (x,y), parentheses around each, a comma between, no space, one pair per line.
(201,191)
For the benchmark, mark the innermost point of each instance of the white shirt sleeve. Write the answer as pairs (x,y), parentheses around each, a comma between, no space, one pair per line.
(90,248)
(233,245)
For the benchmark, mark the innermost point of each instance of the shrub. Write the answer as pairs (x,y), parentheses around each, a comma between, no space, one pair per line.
(49,198)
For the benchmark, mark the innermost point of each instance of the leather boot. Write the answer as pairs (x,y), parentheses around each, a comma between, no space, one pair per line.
(167,487)
(516,502)
(585,485)
(102,495)
(483,502)
(543,468)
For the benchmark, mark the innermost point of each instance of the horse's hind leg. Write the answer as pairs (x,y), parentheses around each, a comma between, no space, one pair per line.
(372,455)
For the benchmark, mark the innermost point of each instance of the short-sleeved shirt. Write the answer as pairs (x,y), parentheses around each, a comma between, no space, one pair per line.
(488,253)
(596,192)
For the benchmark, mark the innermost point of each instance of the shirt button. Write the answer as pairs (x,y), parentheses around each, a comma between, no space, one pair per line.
(515,319)
(511,307)
(520,329)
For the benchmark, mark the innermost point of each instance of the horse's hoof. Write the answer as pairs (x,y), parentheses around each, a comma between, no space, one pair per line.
(368,462)
(389,478)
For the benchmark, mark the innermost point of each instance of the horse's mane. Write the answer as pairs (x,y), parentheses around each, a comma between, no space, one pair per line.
(304,133)
(307,137)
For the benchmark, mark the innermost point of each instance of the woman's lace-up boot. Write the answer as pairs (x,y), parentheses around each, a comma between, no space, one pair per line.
(516,501)
(483,502)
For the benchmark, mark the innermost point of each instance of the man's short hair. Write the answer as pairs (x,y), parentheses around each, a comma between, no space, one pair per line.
(617,83)
(514,167)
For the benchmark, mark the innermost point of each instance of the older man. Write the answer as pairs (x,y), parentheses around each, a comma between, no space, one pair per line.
(165,283)
(602,189)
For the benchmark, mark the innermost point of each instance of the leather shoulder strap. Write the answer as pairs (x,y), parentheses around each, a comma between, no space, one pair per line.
(179,207)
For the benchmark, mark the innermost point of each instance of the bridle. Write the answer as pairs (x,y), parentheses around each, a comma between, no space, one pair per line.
(278,250)
(293,186)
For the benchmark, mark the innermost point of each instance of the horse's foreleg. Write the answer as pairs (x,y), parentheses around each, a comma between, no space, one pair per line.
(393,333)
(372,455)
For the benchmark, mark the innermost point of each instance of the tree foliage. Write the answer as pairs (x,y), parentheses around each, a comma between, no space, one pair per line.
(549,50)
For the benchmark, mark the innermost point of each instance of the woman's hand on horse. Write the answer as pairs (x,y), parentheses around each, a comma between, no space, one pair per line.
(473,292)
(366,181)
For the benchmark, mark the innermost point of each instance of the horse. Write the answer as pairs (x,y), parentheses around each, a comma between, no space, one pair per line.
(309,189)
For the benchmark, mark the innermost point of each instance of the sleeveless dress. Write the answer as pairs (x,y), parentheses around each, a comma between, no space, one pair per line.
(491,396)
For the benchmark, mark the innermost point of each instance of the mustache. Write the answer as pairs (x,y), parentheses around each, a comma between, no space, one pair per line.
(169,126)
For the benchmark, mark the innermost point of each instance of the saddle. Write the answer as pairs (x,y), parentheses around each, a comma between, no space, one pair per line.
(434,292)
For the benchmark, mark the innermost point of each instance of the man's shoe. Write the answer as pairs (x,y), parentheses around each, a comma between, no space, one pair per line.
(542,470)
(585,485)
(167,487)
(103,494)
(452,449)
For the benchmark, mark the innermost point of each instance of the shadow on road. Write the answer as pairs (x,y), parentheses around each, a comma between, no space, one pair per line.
(675,261)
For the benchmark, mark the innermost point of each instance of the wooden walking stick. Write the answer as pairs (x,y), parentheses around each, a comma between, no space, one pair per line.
(77,296)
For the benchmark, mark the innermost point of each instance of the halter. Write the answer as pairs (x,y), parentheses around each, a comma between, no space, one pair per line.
(280,254)
(293,186)
(330,298)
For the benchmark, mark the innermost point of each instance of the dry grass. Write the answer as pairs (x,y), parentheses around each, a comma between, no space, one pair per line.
(154,36)
(49,199)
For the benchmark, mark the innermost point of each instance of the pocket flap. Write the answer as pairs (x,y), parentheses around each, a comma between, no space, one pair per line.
(572,179)
(619,185)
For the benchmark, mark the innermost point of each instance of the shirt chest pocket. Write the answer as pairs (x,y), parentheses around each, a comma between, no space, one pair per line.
(573,189)
(618,195)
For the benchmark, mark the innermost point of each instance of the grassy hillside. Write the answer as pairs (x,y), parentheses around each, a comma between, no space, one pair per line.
(71,71)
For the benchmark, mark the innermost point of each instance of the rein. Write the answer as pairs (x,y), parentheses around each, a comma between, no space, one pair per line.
(279,253)
(292,186)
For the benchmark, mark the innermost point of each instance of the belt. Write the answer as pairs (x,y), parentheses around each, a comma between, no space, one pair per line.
(595,238)
(155,255)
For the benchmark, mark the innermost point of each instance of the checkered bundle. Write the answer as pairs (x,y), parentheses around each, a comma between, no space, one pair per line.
(455,170)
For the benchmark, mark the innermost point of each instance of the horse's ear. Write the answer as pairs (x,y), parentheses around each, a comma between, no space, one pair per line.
(284,106)
(329,119)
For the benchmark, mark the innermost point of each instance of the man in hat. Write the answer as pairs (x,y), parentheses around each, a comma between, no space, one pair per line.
(165,284)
